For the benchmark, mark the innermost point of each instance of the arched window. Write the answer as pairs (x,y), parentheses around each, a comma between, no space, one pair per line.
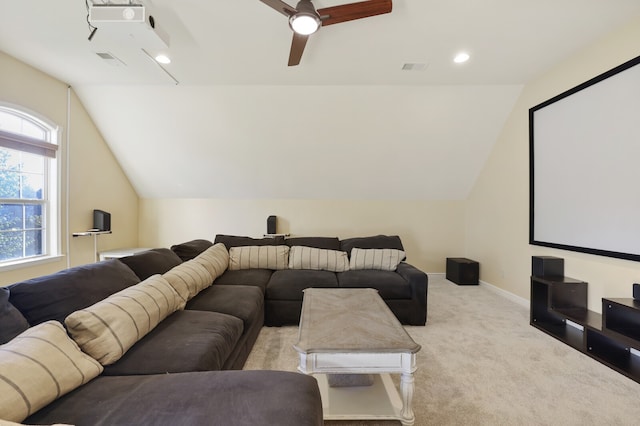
(28,186)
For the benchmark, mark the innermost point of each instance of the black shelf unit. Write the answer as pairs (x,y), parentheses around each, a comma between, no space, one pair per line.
(609,338)
(554,300)
(620,333)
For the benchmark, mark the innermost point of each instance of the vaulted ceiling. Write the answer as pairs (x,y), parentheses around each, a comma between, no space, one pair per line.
(228,118)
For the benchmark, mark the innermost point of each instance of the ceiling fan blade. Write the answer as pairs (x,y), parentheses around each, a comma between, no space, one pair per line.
(351,11)
(280,6)
(297,47)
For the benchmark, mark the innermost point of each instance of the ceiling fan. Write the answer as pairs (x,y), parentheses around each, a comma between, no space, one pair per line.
(305,20)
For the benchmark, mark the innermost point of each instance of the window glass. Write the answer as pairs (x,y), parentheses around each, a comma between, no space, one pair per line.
(26,181)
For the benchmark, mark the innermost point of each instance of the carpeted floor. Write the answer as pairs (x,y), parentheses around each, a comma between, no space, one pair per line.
(481,363)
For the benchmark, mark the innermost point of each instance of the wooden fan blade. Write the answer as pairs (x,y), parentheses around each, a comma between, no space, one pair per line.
(297,47)
(351,11)
(280,6)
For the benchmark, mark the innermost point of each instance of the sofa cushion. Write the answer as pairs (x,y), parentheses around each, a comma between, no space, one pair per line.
(12,322)
(37,367)
(190,249)
(151,262)
(241,301)
(261,257)
(327,243)
(301,257)
(239,241)
(188,279)
(55,296)
(381,259)
(288,284)
(230,398)
(254,277)
(374,242)
(185,341)
(109,328)
(389,284)
(215,259)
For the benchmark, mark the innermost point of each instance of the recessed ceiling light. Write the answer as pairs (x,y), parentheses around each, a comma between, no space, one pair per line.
(461,57)
(163,59)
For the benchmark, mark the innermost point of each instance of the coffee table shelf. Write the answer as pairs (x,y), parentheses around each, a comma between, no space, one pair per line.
(380,401)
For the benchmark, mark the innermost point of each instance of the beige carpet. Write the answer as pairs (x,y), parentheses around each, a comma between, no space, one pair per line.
(481,363)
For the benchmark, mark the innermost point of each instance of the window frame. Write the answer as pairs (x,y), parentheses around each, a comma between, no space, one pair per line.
(49,149)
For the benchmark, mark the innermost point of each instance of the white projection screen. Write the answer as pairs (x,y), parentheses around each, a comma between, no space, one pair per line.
(585,166)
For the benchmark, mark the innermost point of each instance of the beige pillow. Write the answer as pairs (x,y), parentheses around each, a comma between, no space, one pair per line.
(215,259)
(107,329)
(382,259)
(8,423)
(301,257)
(188,279)
(263,257)
(38,366)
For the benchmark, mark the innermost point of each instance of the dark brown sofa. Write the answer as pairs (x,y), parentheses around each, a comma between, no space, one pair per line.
(179,372)
(404,290)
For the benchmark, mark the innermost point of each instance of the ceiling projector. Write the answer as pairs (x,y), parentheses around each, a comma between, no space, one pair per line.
(99,13)
(127,23)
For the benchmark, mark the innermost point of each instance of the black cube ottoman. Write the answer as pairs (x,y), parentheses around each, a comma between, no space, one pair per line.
(463,271)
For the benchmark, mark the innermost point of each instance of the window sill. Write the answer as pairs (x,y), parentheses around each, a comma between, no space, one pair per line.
(27,263)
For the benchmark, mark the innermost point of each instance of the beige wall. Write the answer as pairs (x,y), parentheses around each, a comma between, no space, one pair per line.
(491,226)
(96,179)
(497,211)
(430,230)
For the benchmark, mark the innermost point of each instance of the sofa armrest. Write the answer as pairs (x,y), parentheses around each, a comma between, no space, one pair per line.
(417,279)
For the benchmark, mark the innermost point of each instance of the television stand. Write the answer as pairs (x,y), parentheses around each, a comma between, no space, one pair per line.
(559,309)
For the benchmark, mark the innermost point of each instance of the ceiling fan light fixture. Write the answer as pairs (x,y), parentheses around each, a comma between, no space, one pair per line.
(304,23)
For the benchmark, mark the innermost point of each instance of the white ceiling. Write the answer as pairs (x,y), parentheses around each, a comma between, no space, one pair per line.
(234,125)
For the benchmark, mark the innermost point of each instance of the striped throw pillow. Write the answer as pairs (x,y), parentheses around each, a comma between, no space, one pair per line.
(263,257)
(382,259)
(215,259)
(188,279)
(301,257)
(107,329)
(38,366)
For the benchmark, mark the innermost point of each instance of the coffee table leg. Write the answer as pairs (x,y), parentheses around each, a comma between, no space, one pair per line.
(407,387)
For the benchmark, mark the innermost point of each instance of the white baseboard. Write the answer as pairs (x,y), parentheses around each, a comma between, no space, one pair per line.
(504,293)
(519,300)
(439,275)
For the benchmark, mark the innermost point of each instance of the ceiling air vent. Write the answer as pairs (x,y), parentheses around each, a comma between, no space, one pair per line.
(414,67)
(110,59)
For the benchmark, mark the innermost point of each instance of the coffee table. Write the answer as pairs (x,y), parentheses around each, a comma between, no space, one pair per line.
(353,332)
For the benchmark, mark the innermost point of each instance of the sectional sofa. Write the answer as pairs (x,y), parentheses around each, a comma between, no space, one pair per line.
(155,338)
(368,262)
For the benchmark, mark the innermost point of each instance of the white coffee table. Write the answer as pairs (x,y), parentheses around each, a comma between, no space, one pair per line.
(352,331)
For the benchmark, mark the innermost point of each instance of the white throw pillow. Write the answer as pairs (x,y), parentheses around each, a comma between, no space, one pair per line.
(301,257)
(262,257)
(215,259)
(107,329)
(382,259)
(37,367)
(188,279)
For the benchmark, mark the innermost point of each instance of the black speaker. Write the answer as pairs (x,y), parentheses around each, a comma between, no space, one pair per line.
(547,266)
(636,291)
(101,220)
(271,225)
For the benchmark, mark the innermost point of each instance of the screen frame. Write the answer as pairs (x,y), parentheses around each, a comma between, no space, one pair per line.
(532,236)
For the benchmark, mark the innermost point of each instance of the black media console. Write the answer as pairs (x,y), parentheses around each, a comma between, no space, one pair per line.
(559,308)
